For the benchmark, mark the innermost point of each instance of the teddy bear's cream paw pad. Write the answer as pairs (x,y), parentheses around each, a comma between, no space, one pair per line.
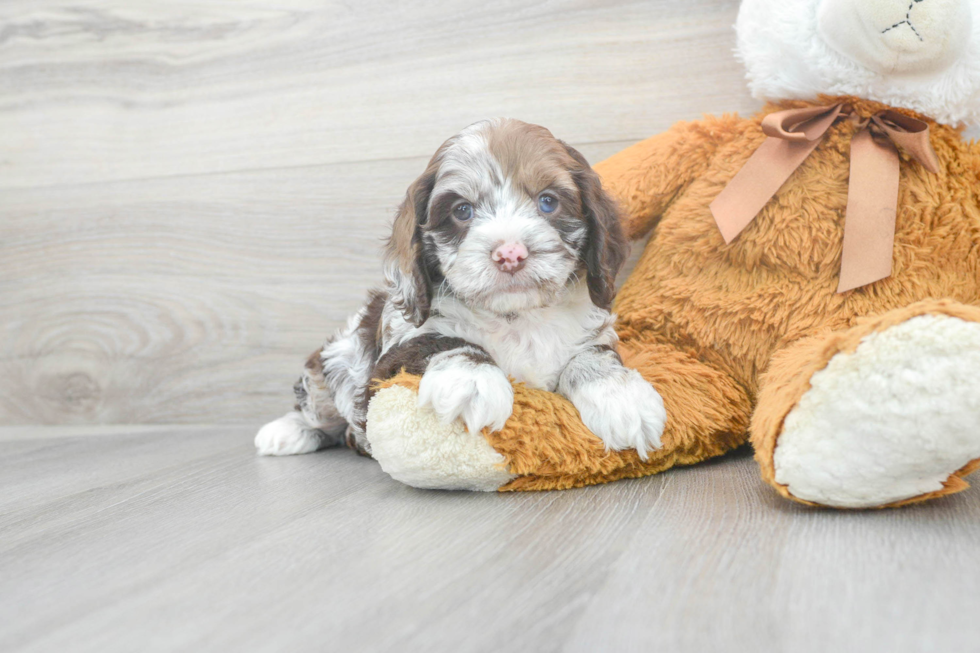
(417,448)
(890,421)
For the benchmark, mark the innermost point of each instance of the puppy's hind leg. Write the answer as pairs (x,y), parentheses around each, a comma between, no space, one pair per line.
(313,424)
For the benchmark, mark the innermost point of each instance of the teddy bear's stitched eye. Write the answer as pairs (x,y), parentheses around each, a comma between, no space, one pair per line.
(547,203)
(463,212)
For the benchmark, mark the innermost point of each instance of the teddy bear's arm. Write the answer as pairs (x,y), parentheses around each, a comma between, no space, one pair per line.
(646,177)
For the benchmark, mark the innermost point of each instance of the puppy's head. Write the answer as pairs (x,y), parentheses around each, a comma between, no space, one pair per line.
(506,217)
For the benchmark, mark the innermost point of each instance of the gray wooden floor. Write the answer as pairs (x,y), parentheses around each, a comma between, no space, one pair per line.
(179,538)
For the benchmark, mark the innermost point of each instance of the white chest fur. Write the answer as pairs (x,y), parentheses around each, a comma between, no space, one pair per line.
(533,346)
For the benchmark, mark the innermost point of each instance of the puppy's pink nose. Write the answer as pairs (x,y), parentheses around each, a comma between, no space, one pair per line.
(510,257)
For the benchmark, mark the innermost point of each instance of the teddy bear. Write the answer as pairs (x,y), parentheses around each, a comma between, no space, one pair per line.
(811,281)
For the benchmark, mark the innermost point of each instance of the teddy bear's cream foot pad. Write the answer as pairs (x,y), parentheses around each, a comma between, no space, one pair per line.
(889,421)
(415,447)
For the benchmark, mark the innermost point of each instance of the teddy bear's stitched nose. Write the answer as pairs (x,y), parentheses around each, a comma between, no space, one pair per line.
(896,36)
(906,21)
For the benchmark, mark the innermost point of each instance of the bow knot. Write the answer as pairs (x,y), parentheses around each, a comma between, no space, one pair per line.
(872,195)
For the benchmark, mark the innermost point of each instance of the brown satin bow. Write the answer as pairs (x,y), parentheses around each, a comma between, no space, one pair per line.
(872,193)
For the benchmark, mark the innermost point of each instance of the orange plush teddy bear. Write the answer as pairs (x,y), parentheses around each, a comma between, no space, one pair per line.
(812,281)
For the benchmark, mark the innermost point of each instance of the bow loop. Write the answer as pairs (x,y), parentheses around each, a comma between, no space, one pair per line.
(872,200)
(910,134)
(809,124)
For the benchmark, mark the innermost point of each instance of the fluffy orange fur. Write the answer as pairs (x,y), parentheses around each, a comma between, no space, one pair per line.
(730,334)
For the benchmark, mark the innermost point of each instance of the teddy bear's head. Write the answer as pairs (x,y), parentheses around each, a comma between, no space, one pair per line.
(922,55)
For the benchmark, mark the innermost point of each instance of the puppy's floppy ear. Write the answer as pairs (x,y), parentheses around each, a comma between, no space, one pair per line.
(406,270)
(607,248)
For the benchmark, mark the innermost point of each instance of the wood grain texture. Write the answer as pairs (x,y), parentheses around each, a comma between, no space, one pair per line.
(116,89)
(184,540)
(183,300)
(193,194)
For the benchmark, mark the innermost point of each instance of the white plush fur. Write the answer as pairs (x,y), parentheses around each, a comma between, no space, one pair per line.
(419,449)
(803,48)
(890,421)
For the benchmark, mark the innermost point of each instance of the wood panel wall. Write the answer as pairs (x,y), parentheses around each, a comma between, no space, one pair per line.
(193,194)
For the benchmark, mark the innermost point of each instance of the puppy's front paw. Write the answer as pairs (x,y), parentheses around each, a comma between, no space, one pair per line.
(480,393)
(624,411)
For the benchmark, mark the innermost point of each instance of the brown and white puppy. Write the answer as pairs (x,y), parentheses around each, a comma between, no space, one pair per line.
(501,263)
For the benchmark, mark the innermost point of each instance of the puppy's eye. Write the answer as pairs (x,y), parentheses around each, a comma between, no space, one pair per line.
(463,212)
(547,203)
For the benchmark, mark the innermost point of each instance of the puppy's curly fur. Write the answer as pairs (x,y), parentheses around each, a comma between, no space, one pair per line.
(501,264)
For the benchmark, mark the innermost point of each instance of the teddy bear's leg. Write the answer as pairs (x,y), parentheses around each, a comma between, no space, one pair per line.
(884,413)
(549,448)
(545,445)
(707,410)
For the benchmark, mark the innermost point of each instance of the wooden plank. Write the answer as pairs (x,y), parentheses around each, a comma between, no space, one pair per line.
(211,548)
(124,89)
(728,561)
(28,435)
(375,547)
(183,300)
(41,469)
(190,294)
